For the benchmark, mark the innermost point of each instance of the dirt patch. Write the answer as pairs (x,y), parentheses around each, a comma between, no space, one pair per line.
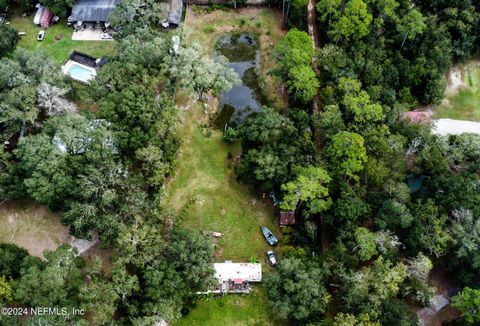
(58,37)
(32,227)
(455,78)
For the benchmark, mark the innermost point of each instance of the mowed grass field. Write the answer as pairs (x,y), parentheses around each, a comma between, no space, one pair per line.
(208,197)
(205,193)
(464,104)
(59,50)
(231,310)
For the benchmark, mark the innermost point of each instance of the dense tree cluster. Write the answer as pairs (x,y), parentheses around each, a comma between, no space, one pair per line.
(392,200)
(104,169)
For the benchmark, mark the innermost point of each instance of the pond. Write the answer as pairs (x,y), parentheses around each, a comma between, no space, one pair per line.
(243,53)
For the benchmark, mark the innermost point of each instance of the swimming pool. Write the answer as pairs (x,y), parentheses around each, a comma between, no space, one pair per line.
(79,72)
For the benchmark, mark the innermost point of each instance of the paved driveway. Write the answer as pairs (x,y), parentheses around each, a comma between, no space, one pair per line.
(455,127)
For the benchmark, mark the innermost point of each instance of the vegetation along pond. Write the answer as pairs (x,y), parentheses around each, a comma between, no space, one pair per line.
(243,54)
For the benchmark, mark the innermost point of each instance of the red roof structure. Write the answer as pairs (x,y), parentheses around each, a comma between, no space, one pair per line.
(418,116)
(46,19)
(238,281)
(286,218)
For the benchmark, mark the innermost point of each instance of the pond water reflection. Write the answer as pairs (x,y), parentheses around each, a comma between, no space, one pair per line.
(243,54)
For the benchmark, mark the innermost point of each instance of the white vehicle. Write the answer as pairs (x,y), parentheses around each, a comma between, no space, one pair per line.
(40,35)
(271,258)
(106,36)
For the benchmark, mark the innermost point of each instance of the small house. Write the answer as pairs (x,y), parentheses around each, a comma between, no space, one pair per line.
(235,277)
(286,218)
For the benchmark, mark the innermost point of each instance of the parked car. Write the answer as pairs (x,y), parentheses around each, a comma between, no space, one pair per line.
(271,239)
(106,36)
(40,35)
(271,258)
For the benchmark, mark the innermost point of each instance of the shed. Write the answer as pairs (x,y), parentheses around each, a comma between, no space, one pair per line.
(174,16)
(46,19)
(38,15)
(92,10)
(286,218)
(418,117)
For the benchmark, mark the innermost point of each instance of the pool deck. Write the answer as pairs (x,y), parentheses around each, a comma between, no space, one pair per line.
(66,67)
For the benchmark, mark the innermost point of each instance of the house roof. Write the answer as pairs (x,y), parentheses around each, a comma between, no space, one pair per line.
(175,12)
(46,19)
(93,10)
(286,218)
(418,116)
(235,271)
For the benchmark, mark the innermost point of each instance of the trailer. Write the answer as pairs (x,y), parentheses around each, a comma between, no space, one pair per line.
(38,15)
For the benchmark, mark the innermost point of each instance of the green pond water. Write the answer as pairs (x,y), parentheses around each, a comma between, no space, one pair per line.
(243,54)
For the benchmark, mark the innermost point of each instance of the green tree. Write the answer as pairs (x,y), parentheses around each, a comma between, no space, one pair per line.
(347,154)
(6,292)
(468,303)
(366,247)
(309,187)
(296,289)
(185,267)
(303,83)
(410,25)
(56,284)
(295,49)
(353,23)
(8,39)
(365,290)
(465,232)
(58,7)
(350,320)
(11,259)
(194,70)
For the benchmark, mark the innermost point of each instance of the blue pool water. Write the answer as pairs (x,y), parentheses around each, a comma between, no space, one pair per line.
(81,73)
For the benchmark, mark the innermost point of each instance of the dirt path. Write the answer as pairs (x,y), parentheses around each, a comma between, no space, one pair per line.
(313,32)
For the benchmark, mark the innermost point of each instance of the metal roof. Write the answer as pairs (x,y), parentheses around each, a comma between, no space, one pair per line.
(175,12)
(93,10)
(251,272)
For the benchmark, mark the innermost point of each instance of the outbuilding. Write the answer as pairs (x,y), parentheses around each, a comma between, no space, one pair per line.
(92,10)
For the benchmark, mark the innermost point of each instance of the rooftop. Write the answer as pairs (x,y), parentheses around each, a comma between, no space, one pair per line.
(93,10)
(238,271)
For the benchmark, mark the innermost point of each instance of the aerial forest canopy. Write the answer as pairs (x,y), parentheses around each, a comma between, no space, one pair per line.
(380,202)
(379,238)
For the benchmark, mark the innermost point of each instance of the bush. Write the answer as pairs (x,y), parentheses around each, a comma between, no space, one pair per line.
(209,29)
(8,39)
(230,135)
(11,258)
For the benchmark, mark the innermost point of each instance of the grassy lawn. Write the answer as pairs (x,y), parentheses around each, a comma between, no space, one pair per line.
(205,27)
(31,226)
(204,190)
(464,104)
(232,310)
(206,193)
(58,50)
